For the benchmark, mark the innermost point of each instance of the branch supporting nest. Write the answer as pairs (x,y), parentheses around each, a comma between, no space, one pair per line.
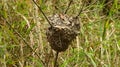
(81,9)
(68,6)
(42,12)
(55,61)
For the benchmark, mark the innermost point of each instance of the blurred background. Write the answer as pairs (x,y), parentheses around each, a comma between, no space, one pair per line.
(23,41)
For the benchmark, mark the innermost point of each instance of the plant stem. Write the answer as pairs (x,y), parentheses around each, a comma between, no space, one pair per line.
(55,62)
(42,12)
(68,6)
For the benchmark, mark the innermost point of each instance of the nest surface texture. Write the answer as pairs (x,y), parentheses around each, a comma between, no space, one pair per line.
(64,29)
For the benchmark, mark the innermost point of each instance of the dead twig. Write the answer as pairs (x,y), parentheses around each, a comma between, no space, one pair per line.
(68,6)
(81,9)
(42,12)
(56,57)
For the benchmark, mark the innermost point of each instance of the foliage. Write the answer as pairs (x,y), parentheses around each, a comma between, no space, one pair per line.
(98,44)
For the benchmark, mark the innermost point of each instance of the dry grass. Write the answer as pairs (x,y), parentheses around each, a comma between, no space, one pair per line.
(23,43)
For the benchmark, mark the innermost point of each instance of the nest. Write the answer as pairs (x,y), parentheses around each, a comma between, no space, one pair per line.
(63,31)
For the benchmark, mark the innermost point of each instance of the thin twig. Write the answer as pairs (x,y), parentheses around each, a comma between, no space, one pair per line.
(68,6)
(88,6)
(81,9)
(42,13)
(22,38)
(56,57)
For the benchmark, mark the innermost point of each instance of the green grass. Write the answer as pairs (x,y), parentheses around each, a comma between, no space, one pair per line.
(98,44)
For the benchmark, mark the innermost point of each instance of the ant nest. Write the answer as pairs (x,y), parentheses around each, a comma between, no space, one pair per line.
(63,31)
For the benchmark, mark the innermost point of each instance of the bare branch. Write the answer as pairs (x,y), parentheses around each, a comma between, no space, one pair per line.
(68,6)
(56,57)
(42,12)
(81,9)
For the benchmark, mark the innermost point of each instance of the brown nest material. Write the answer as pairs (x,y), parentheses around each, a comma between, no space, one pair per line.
(63,31)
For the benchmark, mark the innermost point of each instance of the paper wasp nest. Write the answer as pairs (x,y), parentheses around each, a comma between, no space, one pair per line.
(64,29)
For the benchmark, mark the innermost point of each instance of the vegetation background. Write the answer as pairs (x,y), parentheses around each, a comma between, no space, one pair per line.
(23,41)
